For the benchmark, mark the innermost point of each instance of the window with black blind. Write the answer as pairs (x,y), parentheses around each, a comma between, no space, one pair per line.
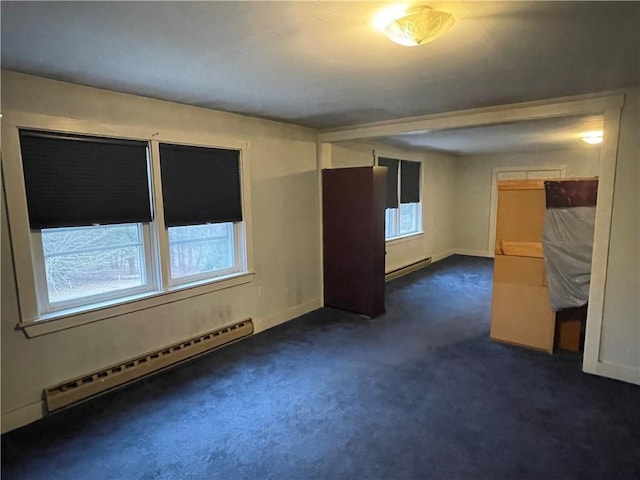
(90,212)
(403,197)
(88,202)
(201,191)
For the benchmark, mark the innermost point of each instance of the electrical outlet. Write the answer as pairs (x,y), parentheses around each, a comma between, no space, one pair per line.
(260,288)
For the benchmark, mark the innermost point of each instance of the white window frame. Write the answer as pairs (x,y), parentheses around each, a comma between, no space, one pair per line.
(242,230)
(239,261)
(34,318)
(392,221)
(45,306)
(393,214)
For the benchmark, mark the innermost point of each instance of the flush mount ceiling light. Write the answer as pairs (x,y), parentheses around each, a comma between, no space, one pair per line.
(416,25)
(593,138)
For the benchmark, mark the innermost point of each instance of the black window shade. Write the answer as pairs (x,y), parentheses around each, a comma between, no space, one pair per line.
(392,180)
(200,185)
(73,180)
(409,182)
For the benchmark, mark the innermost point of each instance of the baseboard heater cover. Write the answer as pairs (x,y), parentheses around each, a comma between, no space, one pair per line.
(399,272)
(100,382)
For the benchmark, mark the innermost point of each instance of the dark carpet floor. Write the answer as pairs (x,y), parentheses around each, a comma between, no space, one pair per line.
(418,393)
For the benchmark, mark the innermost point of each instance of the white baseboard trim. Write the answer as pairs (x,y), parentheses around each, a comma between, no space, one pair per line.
(265,323)
(624,373)
(436,257)
(460,251)
(472,253)
(406,269)
(21,416)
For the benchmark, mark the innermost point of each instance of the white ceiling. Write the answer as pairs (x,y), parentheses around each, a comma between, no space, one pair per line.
(321,64)
(533,135)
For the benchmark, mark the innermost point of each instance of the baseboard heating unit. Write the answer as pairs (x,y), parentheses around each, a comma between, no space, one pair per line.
(101,381)
(399,272)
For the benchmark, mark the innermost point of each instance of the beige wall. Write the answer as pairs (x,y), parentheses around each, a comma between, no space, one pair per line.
(473,188)
(286,243)
(438,171)
(286,234)
(620,342)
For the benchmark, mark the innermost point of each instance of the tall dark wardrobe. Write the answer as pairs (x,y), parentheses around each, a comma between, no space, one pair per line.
(354,245)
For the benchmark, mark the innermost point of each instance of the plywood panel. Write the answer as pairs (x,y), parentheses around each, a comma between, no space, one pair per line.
(570,324)
(569,335)
(531,184)
(520,249)
(519,270)
(522,315)
(520,215)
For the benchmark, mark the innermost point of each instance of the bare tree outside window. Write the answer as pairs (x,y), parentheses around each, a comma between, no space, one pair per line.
(84,261)
(200,249)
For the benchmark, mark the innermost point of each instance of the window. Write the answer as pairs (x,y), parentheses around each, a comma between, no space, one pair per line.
(202,251)
(90,264)
(94,239)
(72,184)
(203,211)
(402,221)
(403,213)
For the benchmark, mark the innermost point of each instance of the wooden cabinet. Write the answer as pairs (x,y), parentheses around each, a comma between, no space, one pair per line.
(353,208)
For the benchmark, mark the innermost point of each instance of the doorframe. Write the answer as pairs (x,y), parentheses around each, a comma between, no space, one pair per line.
(604,209)
(493,208)
(607,104)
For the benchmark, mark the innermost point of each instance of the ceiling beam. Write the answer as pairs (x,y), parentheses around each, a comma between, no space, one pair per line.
(558,107)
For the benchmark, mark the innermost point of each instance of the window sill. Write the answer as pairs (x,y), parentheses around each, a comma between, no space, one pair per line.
(404,238)
(65,319)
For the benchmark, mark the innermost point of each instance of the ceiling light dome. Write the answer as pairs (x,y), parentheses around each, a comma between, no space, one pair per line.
(593,138)
(421,24)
